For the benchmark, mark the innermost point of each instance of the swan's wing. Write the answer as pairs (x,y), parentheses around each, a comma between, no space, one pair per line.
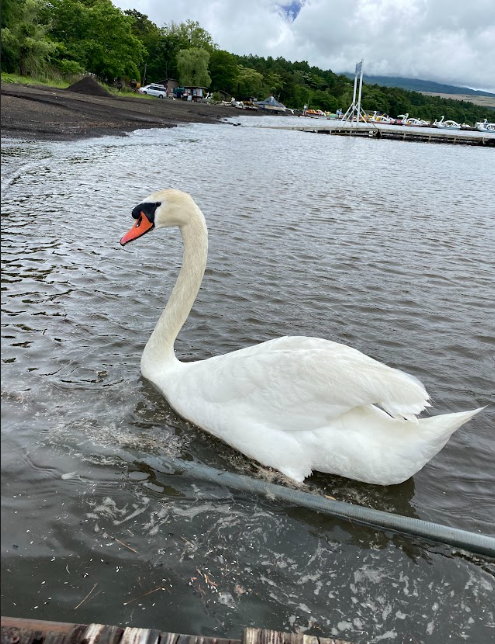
(297,383)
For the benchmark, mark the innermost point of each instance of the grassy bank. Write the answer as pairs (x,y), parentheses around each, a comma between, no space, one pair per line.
(64,83)
(30,80)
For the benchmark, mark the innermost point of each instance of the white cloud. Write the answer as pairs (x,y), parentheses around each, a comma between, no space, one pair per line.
(450,41)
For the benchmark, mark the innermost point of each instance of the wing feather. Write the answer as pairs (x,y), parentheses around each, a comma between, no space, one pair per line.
(298,383)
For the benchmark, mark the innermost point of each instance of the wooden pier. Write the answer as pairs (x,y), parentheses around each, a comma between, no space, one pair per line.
(30,631)
(398,132)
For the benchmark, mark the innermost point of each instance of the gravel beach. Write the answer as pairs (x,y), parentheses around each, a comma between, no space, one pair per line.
(47,113)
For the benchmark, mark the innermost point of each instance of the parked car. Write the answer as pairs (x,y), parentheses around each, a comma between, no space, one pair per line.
(154,90)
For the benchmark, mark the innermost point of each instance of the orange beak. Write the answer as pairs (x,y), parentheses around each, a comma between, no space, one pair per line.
(142,225)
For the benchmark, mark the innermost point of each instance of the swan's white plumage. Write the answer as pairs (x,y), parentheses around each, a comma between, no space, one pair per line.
(295,403)
(298,383)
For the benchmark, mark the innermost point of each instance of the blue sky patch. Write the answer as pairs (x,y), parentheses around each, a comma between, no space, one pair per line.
(292,9)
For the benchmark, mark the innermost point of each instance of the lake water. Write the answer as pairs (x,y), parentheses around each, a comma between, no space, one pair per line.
(383,245)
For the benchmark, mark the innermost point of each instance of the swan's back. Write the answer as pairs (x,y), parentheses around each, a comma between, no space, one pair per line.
(296,383)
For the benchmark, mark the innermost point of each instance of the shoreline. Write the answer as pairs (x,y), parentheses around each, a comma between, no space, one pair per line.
(45,113)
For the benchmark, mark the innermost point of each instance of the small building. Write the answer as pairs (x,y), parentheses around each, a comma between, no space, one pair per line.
(192,93)
(170,85)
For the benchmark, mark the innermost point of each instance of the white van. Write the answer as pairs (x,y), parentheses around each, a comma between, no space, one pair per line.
(154,90)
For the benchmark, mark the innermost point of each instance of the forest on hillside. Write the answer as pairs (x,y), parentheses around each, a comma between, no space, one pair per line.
(420,85)
(67,38)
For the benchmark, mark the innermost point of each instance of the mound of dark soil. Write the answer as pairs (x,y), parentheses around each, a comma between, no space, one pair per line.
(88,85)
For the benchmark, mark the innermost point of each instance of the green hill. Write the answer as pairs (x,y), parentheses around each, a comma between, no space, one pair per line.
(419,85)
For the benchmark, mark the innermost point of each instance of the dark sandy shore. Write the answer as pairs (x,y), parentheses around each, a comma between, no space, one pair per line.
(47,113)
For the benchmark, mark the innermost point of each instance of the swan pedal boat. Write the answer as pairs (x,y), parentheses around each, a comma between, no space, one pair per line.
(447,125)
(295,404)
(485,126)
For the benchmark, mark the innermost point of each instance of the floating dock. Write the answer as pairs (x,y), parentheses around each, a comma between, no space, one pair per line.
(30,631)
(398,132)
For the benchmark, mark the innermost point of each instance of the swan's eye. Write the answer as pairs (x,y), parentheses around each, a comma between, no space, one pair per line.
(148,208)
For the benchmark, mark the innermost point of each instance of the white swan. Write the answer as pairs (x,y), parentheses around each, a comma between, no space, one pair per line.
(296,404)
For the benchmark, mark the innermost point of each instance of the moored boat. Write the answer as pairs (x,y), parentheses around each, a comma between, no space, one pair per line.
(485,126)
(417,122)
(447,125)
(376,117)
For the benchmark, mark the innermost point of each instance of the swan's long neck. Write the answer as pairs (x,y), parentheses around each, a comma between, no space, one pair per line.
(159,351)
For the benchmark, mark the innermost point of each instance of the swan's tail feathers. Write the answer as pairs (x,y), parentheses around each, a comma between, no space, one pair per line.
(438,429)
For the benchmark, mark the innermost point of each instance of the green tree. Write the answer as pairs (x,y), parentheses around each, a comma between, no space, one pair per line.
(192,65)
(98,36)
(26,48)
(294,93)
(374,99)
(302,96)
(142,26)
(272,83)
(154,43)
(316,81)
(250,82)
(398,103)
(189,35)
(323,100)
(179,36)
(223,71)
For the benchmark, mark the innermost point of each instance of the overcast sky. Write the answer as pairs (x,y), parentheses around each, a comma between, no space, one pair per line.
(449,41)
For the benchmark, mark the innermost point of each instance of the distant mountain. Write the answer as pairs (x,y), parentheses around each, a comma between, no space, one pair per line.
(418,85)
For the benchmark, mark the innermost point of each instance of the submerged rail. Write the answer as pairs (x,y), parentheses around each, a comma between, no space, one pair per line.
(471,541)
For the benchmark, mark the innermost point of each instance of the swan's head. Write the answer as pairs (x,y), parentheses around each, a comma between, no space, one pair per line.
(162,209)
